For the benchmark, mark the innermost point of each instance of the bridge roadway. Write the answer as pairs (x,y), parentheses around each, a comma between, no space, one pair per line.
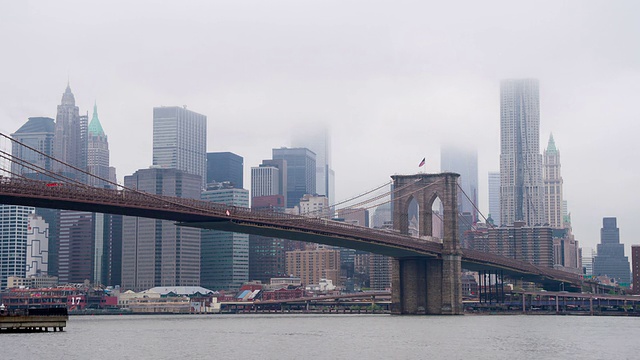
(207,215)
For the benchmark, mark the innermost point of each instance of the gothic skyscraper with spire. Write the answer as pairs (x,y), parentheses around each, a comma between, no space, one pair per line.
(98,153)
(552,186)
(70,139)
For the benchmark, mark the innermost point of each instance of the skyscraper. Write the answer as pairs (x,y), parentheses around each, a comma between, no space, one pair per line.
(268,190)
(180,140)
(225,166)
(76,246)
(494,197)
(265,181)
(464,162)
(635,268)
(107,228)
(70,140)
(98,153)
(318,140)
(157,252)
(610,259)
(301,172)
(224,255)
(552,186)
(13,241)
(37,246)
(521,187)
(38,133)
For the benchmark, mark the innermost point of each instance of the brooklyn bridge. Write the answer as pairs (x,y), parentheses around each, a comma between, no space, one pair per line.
(426,270)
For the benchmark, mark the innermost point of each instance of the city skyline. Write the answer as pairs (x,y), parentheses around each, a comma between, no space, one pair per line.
(386,112)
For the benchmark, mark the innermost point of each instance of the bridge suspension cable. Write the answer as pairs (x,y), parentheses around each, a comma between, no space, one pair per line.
(474,206)
(54,175)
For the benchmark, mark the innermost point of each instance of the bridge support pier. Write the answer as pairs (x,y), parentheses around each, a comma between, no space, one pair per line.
(422,286)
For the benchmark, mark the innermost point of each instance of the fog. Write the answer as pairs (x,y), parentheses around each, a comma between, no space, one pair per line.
(393,80)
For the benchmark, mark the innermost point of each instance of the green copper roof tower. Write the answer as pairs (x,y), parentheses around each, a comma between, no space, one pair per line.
(95,128)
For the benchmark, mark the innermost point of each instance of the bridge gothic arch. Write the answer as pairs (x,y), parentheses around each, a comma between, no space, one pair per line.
(427,285)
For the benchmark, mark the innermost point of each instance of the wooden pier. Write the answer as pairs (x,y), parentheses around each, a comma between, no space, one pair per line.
(34,320)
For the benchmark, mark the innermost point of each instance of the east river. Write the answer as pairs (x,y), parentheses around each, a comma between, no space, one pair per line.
(331,337)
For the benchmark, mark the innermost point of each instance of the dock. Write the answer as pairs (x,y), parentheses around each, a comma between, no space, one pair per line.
(34,320)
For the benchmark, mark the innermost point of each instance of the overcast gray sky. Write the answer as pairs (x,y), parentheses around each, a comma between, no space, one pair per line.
(392,79)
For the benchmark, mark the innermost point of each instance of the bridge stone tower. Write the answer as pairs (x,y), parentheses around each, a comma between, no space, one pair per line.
(423,285)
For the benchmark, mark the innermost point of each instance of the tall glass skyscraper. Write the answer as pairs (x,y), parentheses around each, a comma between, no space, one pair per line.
(301,172)
(13,241)
(224,255)
(180,140)
(225,166)
(38,133)
(318,140)
(521,187)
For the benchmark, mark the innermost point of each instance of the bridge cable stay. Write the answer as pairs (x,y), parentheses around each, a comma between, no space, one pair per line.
(53,174)
(205,206)
(334,206)
(361,195)
(392,199)
(38,169)
(377,197)
(474,206)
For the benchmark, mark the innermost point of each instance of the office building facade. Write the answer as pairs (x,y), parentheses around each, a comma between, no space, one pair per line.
(14,222)
(494,197)
(180,140)
(224,255)
(157,252)
(301,172)
(610,260)
(225,167)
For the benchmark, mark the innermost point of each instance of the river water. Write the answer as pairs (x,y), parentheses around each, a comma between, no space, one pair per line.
(281,336)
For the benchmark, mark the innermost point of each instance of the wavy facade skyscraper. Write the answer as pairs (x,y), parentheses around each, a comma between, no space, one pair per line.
(521,187)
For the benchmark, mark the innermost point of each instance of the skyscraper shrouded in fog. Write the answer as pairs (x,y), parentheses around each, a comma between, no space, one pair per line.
(463,161)
(301,172)
(521,187)
(180,140)
(318,140)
